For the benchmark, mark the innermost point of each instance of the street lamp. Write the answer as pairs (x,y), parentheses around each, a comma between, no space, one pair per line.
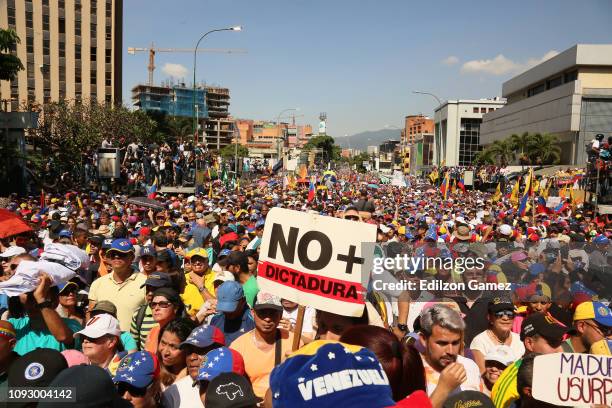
(279,129)
(195,54)
(438,141)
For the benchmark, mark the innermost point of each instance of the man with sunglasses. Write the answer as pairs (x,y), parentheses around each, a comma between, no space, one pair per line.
(101,341)
(199,279)
(540,333)
(138,379)
(592,325)
(123,286)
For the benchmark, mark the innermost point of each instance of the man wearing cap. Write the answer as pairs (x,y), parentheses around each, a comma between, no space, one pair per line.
(264,347)
(200,341)
(592,326)
(148,260)
(123,286)
(101,341)
(234,317)
(142,320)
(105,307)
(540,334)
(5,259)
(238,264)
(199,280)
(138,379)
(8,340)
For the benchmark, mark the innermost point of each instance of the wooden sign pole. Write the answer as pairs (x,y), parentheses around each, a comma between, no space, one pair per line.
(297,330)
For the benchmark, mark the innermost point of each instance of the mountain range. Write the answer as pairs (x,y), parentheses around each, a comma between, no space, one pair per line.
(368,138)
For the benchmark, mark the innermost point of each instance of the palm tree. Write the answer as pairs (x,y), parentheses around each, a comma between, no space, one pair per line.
(544,148)
(179,129)
(503,151)
(485,156)
(520,144)
(10,64)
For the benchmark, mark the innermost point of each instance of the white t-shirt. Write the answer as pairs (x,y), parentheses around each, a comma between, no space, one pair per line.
(309,315)
(182,394)
(483,343)
(473,381)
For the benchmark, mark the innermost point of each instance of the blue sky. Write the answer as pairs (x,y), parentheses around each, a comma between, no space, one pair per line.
(357,60)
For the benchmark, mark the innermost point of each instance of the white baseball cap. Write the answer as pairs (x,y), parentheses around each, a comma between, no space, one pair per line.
(502,354)
(12,251)
(224,276)
(100,325)
(505,229)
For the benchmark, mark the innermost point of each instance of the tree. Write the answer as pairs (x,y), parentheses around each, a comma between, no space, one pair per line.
(10,64)
(503,151)
(486,156)
(330,150)
(358,161)
(543,149)
(229,151)
(520,144)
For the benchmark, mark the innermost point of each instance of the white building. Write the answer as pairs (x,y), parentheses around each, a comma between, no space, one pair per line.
(457,129)
(569,95)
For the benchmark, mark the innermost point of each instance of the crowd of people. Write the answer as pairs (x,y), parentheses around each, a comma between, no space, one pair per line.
(130,305)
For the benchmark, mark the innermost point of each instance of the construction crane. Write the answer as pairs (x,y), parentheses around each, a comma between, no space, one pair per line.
(152,50)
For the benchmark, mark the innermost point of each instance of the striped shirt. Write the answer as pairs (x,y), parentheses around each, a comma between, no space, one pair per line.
(140,334)
(505,390)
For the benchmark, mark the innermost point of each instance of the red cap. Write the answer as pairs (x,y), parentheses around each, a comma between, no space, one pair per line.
(145,232)
(231,236)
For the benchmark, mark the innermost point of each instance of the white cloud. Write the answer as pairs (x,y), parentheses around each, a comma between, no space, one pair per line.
(500,65)
(450,60)
(175,70)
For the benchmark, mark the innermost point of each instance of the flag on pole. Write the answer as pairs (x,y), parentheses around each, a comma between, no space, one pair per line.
(515,192)
(311,189)
(461,184)
(79,202)
(498,195)
(454,186)
(210,191)
(152,189)
(523,207)
(444,187)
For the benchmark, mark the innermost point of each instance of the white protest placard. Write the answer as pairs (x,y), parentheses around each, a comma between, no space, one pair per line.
(468,178)
(314,260)
(398,179)
(552,202)
(573,380)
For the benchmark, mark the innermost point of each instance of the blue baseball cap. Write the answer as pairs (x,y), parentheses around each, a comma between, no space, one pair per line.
(65,234)
(148,251)
(121,245)
(138,369)
(158,280)
(219,361)
(224,252)
(260,223)
(320,359)
(228,296)
(536,269)
(600,239)
(204,336)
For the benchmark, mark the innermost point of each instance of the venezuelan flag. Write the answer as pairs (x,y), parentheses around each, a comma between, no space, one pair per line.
(152,189)
(444,187)
(526,194)
(461,184)
(311,189)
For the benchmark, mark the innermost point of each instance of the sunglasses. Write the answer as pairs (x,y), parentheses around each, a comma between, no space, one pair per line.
(117,254)
(198,261)
(352,218)
(163,305)
(605,331)
(122,388)
(502,313)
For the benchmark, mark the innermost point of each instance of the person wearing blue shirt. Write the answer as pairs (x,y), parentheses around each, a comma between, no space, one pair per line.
(42,326)
(233,318)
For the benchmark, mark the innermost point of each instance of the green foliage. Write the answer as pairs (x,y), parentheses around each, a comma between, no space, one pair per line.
(327,144)
(358,161)
(172,128)
(229,151)
(531,149)
(69,130)
(10,64)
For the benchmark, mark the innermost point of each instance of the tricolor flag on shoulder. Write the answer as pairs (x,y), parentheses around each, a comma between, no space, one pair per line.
(152,189)
(526,194)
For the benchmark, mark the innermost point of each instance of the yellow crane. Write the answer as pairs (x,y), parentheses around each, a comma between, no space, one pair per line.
(152,50)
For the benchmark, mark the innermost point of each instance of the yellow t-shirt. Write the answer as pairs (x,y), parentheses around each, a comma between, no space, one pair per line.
(257,363)
(191,296)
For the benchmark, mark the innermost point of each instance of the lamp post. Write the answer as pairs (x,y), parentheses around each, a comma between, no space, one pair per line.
(438,137)
(279,130)
(195,54)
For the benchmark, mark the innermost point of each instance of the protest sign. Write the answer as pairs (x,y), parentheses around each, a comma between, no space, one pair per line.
(314,260)
(571,379)
(398,179)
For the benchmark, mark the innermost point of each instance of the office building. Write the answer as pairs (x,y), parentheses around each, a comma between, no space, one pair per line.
(568,95)
(413,125)
(70,49)
(457,129)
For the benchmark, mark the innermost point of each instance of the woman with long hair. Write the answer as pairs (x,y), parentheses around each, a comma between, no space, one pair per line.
(402,363)
(171,356)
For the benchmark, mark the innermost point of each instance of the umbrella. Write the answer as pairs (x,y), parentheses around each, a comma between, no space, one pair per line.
(11,224)
(372,185)
(146,202)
